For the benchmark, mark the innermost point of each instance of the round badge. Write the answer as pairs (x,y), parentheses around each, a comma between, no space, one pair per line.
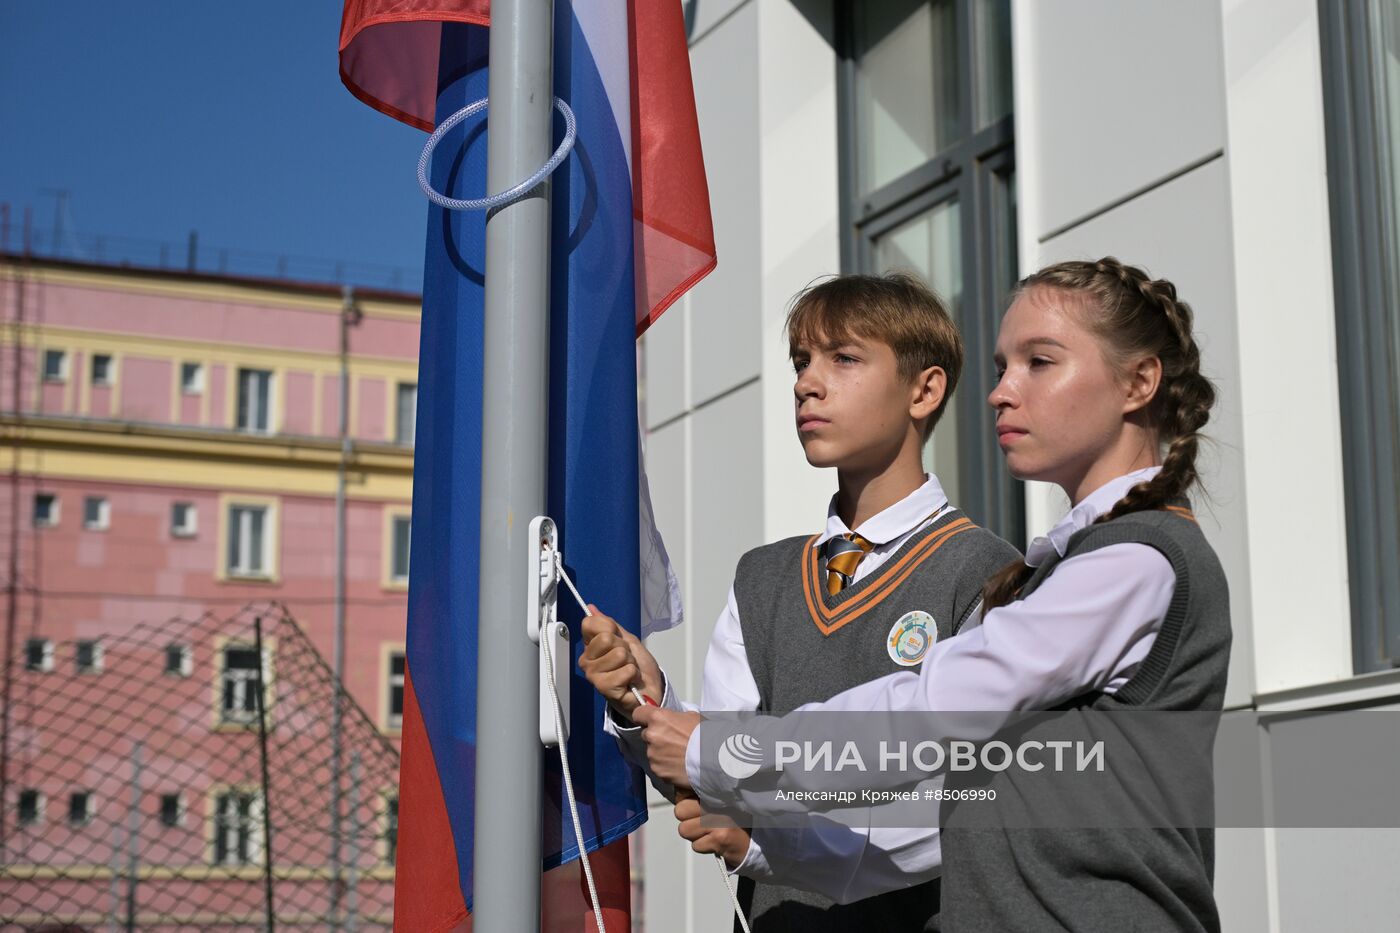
(911,637)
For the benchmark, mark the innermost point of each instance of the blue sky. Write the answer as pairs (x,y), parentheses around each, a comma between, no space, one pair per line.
(162,117)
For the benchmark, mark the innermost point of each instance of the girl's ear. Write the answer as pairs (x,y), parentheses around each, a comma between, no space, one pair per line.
(1144,379)
(930,386)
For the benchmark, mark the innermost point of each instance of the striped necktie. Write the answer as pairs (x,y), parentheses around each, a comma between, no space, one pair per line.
(842,556)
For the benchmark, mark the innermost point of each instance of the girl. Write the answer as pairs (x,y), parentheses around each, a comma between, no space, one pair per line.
(1121,606)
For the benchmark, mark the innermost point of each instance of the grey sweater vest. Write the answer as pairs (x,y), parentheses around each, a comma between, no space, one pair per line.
(805,646)
(1085,880)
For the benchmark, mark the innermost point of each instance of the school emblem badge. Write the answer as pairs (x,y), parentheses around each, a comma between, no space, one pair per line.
(911,637)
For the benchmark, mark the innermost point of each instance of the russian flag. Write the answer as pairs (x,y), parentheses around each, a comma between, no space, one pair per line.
(631,232)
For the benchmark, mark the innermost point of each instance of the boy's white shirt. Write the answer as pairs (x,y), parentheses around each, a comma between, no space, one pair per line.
(842,861)
(1088,627)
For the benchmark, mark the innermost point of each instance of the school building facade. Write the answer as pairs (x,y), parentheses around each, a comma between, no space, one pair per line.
(1249,152)
(171,448)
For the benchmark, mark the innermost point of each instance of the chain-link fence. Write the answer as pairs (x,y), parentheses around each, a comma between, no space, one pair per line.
(184,776)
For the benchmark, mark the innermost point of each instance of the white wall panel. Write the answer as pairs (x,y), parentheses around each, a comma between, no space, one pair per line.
(1288,354)
(727,512)
(1181,231)
(665,360)
(1114,96)
(723,307)
(801,240)
(707,14)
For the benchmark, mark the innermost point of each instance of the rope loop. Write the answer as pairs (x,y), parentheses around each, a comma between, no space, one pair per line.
(491,202)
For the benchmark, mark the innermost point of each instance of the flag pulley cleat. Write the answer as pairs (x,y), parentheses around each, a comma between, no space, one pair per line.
(545,629)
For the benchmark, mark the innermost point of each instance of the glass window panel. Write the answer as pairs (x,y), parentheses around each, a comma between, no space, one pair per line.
(993,18)
(407,413)
(255,539)
(170,809)
(402,537)
(254,395)
(906,86)
(191,377)
(930,246)
(1387,82)
(55,365)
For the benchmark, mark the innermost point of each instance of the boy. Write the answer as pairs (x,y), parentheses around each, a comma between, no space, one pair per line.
(876,358)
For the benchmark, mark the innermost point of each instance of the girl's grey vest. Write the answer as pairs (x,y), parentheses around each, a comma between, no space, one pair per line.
(1129,877)
(805,646)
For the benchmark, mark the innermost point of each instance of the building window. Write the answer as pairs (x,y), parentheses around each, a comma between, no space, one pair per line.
(45,510)
(101,369)
(247,541)
(96,513)
(255,401)
(405,423)
(80,808)
(172,810)
(1361,106)
(238,693)
(31,807)
(928,182)
(391,829)
(87,657)
(192,378)
(395,698)
(177,660)
(55,366)
(38,655)
(183,519)
(237,828)
(401,529)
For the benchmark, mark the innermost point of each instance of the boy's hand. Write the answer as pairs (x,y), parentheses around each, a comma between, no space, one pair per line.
(614,660)
(711,832)
(667,733)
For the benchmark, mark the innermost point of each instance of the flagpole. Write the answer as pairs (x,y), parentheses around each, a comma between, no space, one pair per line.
(515,417)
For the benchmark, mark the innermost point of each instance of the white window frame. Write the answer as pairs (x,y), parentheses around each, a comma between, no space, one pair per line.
(191,385)
(394,721)
(62,373)
(239,834)
(97,656)
(104,513)
(179,799)
(191,513)
(90,810)
(237,693)
(239,560)
(53,519)
(40,804)
(109,377)
(394,522)
(248,414)
(405,429)
(186,665)
(46,656)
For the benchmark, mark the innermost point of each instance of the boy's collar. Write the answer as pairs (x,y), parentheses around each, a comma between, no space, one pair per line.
(1084,514)
(900,518)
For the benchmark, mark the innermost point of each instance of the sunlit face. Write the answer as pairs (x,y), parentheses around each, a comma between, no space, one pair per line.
(1059,404)
(852,406)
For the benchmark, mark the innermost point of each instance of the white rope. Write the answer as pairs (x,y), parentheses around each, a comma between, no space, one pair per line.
(641,699)
(545,639)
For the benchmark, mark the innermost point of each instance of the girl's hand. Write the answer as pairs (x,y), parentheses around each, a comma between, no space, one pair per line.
(667,733)
(711,832)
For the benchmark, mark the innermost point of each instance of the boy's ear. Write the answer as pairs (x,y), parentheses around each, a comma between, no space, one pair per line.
(1144,379)
(927,393)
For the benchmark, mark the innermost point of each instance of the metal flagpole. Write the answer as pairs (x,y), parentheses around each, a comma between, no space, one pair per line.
(506,864)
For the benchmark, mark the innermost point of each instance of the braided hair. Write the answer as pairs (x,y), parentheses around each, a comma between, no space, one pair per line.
(1133,316)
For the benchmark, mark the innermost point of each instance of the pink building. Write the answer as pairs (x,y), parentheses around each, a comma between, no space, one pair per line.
(171,449)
